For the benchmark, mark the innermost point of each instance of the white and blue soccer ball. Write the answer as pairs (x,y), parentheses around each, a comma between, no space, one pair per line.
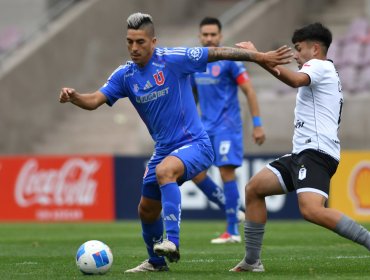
(94,257)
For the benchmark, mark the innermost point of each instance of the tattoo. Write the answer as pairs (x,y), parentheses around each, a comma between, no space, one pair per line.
(227,53)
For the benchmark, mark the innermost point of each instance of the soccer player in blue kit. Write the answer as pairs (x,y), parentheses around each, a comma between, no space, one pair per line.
(157,82)
(217,93)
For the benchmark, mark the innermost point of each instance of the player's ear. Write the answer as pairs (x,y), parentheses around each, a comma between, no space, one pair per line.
(316,49)
(154,41)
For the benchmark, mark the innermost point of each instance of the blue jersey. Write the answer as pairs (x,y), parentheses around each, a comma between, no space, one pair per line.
(218,96)
(162,95)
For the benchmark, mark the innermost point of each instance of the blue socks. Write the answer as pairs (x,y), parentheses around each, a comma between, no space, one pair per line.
(153,233)
(227,199)
(213,192)
(232,206)
(171,205)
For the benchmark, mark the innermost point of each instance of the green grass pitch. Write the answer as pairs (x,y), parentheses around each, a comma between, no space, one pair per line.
(292,250)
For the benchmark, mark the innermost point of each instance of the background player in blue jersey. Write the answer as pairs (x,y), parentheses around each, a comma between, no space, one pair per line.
(157,82)
(217,93)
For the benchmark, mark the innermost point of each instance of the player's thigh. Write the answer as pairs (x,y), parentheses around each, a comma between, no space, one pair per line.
(264,183)
(195,157)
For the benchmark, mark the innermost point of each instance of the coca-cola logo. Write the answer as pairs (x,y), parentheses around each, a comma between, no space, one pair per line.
(70,185)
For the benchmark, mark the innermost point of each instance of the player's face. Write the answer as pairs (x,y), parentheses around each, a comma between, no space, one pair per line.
(210,35)
(140,45)
(305,51)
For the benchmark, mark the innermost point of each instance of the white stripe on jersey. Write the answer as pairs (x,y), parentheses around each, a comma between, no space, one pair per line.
(301,190)
(119,68)
(175,51)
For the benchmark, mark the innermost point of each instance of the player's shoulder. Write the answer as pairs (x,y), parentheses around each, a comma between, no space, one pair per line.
(176,53)
(124,70)
(318,63)
(163,51)
(323,64)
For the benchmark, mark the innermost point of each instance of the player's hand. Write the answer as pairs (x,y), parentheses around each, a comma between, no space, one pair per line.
(67,95)
(271,59)
(259,136)
(282,55)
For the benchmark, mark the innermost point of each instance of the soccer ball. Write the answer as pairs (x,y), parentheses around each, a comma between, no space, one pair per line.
(94,257)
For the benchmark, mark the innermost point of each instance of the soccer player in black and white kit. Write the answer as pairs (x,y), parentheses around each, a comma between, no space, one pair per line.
(316,148)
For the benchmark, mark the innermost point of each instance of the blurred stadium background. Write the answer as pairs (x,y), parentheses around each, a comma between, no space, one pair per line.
(48,44)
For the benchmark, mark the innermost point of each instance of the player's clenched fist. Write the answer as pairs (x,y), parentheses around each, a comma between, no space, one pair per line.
(66,95)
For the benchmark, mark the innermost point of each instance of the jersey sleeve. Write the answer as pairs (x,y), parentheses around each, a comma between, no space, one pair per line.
(314,70)
(238,72)
(185,60)
(114,88)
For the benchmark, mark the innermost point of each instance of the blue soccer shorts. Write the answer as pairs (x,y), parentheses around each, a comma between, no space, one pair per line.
(196,157)
(228,149)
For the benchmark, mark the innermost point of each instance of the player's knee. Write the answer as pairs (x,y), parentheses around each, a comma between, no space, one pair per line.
(251,190)
(227,174)
(310,213)
(164,173)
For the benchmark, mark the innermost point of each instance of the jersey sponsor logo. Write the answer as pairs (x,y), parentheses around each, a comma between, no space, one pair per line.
(207,81)
(299,124)
(159,78)
(158,65)
(152,96)
(194,53)
(359,187)
(302,173)
(216,70)
(130,73)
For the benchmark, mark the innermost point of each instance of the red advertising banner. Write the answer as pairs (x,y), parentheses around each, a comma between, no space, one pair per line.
(60,188)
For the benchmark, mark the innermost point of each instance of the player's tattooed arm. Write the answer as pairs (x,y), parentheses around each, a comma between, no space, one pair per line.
(279,56)
(226,53)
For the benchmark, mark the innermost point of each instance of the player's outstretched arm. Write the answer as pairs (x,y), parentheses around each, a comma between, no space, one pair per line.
(287,76)
(273,58)
(87,101)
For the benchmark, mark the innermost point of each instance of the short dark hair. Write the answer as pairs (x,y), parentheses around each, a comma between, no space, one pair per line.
(313,32)
(141,21)
(211,20)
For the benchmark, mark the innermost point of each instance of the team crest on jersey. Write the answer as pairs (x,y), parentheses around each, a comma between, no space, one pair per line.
(216,70)
(194,53)
(302,173)
(159,78)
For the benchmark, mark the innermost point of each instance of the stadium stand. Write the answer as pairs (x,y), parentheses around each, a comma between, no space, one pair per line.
(351,55)
(72,50)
